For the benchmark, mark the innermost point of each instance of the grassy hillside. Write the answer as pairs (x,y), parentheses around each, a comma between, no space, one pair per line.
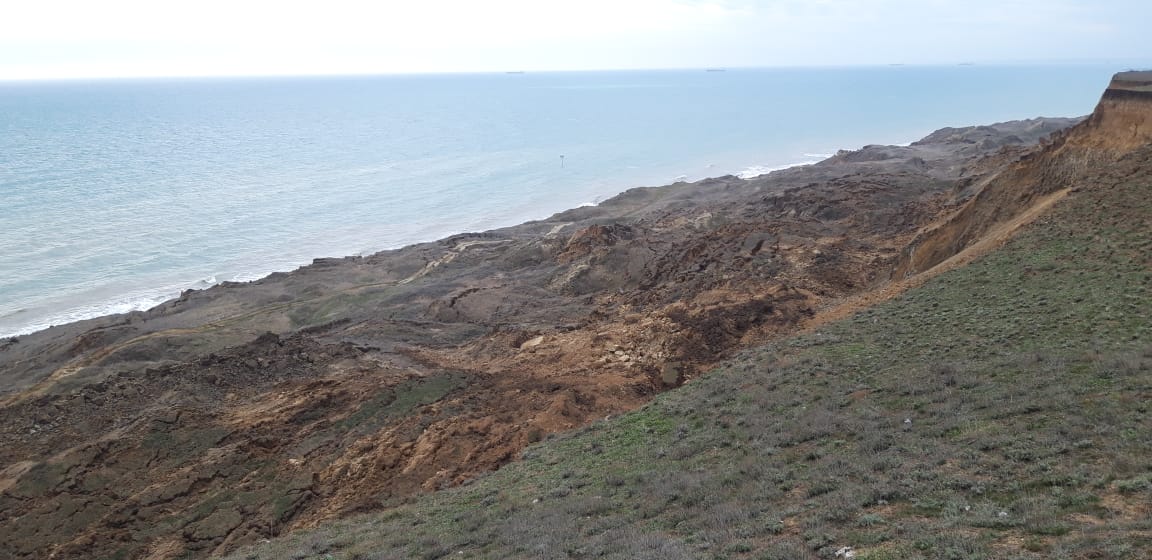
(999,411)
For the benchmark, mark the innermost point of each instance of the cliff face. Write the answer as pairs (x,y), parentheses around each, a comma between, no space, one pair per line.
(1122,120)
(1120,124)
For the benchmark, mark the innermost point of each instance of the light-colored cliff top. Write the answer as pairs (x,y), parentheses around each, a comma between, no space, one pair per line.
(1132,81)
(1134,76)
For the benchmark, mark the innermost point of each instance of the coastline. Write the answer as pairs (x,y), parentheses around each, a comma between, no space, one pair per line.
(722,326)
(420,368)
(365,165)
(613,207)
(143,300)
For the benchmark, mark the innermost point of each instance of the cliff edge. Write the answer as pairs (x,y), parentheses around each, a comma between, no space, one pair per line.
(1120,124)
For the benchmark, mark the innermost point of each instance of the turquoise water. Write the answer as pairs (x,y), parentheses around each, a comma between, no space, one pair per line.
(116,195)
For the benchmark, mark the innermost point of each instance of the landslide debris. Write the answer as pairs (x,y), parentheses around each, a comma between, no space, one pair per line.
(247,411)
(998,410)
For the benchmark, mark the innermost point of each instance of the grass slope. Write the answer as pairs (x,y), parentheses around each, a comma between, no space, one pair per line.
(1000,411)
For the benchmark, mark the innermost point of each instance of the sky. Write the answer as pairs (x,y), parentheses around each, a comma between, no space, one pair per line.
(46,39)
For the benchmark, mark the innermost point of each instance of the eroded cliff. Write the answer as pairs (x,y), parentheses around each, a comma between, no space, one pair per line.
(246,411)
(1121,123)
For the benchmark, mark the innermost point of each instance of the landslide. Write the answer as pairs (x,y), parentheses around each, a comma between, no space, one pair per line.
(996,410)
(248,411)
(1121,123)
(999,410)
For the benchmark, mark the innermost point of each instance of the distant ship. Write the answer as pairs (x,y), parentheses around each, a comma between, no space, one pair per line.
(514,72)
(714,69)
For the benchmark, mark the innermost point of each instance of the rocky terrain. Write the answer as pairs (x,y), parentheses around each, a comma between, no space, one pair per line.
(248,411)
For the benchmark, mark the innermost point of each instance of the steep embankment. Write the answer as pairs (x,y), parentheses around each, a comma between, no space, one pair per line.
(1121,123)
(249,411)
(1000,410)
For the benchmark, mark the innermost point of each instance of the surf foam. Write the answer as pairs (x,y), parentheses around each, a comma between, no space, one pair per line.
(140,300)
(754,171)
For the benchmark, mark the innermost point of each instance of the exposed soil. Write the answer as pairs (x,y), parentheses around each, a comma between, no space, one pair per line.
(248,410)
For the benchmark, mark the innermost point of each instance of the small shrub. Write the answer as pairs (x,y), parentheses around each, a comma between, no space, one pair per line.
(819,488)
(1134,485)
(785,550)
(738,548)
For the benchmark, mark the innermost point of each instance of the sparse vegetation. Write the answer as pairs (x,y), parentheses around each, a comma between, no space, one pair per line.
(1000,411)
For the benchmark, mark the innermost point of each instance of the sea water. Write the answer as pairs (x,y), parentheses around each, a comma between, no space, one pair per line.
(116,195)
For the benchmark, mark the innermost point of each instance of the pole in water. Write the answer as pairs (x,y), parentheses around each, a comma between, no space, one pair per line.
(561,160)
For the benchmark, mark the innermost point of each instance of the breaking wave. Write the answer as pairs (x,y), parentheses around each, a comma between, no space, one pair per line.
(754,171)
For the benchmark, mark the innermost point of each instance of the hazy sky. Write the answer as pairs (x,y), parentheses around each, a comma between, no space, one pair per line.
(85,38)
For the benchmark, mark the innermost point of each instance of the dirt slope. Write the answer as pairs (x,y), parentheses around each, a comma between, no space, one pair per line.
(246,411)
(1121,123)
(997,411)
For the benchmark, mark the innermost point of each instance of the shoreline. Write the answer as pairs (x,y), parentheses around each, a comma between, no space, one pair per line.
(233,416)
(90,282)
(145,299)
(452,356)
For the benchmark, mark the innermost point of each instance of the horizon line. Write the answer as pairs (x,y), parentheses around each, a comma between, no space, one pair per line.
(372,73)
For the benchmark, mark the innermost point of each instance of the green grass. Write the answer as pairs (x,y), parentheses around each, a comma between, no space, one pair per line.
(1000,411)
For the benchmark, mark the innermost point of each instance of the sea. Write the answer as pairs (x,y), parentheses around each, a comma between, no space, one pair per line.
(116,195)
